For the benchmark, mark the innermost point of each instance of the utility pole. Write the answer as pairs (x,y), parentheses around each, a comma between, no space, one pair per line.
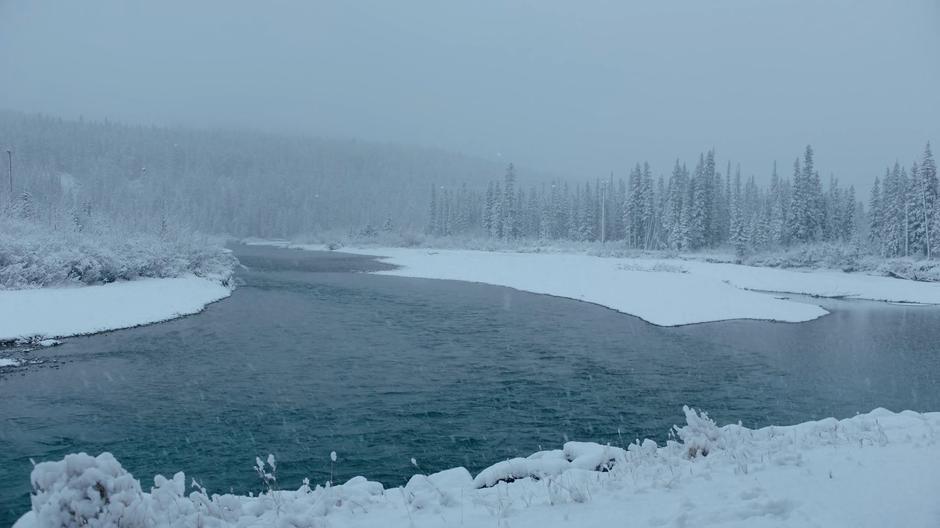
(926,221)
(603,212)
(10,159)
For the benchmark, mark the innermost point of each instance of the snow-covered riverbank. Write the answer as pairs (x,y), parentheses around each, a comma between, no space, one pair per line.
(665,292)
(66,311)
(877,469)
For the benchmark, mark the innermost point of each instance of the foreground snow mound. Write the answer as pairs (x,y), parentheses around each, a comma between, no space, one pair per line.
(82,490)
(877,469)
(60,312)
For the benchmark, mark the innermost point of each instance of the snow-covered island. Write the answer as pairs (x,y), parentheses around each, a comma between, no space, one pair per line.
(662,291)
(872,470)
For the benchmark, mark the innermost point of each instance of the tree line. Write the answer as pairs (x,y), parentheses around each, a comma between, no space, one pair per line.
(703,208)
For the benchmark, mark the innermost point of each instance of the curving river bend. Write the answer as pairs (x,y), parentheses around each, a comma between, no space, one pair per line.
(308,357)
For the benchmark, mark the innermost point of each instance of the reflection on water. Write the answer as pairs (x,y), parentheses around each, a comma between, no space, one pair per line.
(305,359)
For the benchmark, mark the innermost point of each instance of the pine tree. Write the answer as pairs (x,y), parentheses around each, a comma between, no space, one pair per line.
(632,206)
(496,213)
(814,219)
(918,225)
(533,216)
(487,214)
(930,190)
(432,217)
(697,207)
(648,208)
(508,228)
(616,210)
(738,236)
(712,204)
(778,206)
(673,208)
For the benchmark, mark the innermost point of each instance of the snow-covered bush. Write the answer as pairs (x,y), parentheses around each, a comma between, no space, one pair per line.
(35,254)
(920,270)
(846,257)
(96,492)
(82,490)
(700,435)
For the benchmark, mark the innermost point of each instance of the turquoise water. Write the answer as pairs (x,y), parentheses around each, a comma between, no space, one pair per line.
(307,358)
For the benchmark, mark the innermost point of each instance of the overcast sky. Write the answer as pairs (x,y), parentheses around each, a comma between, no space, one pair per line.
(580,87)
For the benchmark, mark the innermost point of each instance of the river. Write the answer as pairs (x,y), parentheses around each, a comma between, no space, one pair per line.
(309,356)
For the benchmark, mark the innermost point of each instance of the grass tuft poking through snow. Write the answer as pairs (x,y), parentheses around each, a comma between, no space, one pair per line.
(875,469)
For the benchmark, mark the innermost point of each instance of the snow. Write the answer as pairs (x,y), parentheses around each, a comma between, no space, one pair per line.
(61,312)
(822,283)
(8,362)
(665,292)
(871,470)
(663,298)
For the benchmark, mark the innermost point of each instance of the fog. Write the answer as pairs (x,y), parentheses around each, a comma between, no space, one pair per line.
(580,88)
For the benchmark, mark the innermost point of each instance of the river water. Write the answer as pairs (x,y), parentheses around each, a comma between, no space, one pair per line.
(310,356)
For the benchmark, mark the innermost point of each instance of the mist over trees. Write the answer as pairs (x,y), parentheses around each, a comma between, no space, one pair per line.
(241,183)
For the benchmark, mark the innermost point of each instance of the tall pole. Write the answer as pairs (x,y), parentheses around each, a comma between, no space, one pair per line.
(926,221)
(10,160)
(603,212)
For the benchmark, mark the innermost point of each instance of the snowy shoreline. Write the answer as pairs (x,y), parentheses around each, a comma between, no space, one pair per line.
(42,313)
(875,469)
(661,291)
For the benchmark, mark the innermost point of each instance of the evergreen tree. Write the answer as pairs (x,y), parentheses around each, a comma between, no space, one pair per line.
(496,213)
(931,201)
(432,216)
(698,207)
(508,210)
(672,211)
(712,204)
(778,206)
(486,216)
(738,234)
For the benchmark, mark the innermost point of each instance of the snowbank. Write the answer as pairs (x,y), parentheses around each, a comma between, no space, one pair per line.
(822,283)
(661,292)
(60,312)
(665,292)
(877,469)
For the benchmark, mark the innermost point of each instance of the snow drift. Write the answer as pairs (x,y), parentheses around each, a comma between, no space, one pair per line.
(665,292)
(876,469)
(60,312)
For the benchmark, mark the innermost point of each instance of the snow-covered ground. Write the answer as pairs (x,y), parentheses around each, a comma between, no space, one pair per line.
(59,312)
(873,470)
(665,292)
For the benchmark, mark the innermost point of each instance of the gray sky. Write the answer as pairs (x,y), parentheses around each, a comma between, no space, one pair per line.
(577,87)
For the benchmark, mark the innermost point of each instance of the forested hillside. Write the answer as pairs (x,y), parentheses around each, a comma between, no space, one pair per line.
(225,182)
